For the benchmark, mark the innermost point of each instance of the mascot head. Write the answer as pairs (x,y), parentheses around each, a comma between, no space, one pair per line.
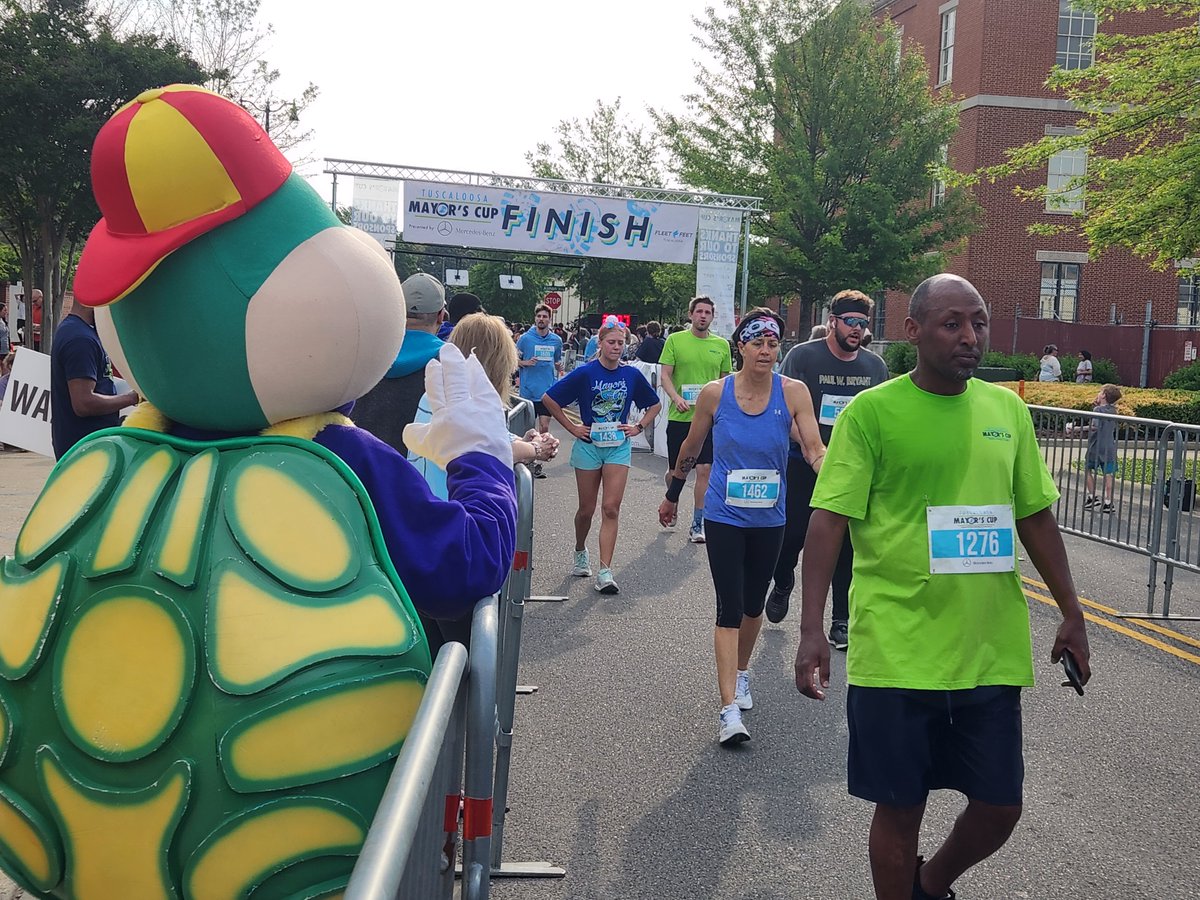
(226,291)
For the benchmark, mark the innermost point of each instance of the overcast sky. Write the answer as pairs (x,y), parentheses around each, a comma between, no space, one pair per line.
(473,84)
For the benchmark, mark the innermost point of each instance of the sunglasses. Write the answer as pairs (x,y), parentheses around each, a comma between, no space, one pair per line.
(854,321)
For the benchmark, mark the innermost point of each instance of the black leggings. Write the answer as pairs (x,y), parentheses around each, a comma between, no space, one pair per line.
(741,560)
(801,480)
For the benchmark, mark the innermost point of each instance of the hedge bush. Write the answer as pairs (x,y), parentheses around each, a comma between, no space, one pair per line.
(1178,406)
(900,357)
(1185,379)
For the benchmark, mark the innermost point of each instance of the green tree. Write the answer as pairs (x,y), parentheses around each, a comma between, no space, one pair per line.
(10,264)
(228,40)
(1140,127)
(515,306)
(65,74)
(811,106)
(606,148)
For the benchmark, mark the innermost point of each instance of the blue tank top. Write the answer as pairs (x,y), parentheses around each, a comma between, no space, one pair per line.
(750,453)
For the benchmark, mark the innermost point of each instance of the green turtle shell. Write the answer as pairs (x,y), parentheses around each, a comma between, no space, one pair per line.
(207,665)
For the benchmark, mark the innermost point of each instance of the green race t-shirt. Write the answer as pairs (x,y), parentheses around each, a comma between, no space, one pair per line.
(897,451)
(696,361)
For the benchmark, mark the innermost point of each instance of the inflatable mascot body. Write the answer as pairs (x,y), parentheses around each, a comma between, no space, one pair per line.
(208,656)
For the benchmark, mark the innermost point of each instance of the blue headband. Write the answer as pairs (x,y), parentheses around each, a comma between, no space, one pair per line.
(756,328)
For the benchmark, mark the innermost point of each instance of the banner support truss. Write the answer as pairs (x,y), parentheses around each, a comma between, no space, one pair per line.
(747,206)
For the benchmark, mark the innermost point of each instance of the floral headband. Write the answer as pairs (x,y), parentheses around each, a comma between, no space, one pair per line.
(759,327)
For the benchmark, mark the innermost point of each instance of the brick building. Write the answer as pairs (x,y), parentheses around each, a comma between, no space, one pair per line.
(995,56)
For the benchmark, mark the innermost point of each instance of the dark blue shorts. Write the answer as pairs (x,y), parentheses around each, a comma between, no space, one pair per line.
(905,743)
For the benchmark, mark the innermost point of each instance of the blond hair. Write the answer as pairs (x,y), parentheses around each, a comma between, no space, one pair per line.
(491,341)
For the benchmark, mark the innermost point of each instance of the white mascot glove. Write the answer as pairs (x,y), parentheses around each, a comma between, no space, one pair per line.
(467,416)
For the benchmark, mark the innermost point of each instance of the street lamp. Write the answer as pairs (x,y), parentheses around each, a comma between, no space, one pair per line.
(269,107)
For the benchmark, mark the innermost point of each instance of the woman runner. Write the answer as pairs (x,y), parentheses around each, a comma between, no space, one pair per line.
(604,390)
(753,414)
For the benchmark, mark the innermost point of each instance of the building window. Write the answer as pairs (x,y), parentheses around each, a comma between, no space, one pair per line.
(1189,300)
(938,195)
(1076,31)
(946,55)
(1064,185)
(1060,291)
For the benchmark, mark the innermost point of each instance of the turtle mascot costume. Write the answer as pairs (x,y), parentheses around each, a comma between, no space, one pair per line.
(209,656)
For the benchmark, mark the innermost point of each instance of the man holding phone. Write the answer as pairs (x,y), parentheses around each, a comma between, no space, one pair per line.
(936,474)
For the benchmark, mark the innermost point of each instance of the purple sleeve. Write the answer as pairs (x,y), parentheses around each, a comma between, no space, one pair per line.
(448,553)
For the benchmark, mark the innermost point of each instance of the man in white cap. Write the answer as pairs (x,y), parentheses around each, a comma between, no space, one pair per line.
(390,405)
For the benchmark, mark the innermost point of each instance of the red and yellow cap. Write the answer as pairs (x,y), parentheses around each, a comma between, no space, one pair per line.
(169,166)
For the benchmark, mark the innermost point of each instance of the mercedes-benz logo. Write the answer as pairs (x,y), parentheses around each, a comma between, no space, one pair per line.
(445,228)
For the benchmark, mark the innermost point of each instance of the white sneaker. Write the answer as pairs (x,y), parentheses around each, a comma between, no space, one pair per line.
(741,696)
(583,568)
(732,730)
(605,583)
(696,534)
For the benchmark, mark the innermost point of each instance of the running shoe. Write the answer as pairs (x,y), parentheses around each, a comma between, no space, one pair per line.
(741,696)
(535,469)
(696,534)
(777,604)
(839,634)
(1090,502)
(732,730)
(919,893)
(583,568)
(605,583)
(1108,508)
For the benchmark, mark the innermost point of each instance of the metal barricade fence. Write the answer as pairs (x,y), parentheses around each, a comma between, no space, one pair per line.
(412,842)
(1179,546)
(1135,494)
(514,595)
(520,416)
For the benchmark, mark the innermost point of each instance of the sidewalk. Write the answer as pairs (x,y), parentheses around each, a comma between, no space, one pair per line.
(21,478)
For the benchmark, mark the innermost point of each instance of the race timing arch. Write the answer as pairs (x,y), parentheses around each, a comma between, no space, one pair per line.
(518,214)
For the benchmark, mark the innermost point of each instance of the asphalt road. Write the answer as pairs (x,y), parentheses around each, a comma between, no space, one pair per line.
(617,776)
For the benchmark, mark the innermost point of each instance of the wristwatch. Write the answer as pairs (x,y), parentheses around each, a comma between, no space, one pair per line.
(640,427)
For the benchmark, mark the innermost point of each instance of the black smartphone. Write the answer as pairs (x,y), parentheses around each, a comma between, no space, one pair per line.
(1072,669)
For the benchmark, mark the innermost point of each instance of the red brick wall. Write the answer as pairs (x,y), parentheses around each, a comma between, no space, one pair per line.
(1007,48)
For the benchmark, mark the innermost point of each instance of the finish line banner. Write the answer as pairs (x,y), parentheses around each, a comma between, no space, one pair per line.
(373,208)
(716,267)
(495,218)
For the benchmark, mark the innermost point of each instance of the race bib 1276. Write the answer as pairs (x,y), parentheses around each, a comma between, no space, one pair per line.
(965,540)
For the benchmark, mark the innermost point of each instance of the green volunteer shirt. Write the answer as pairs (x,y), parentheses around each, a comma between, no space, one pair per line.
(897,451)
(696,361)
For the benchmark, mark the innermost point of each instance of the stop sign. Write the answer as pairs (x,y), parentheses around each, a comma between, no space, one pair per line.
(553,299)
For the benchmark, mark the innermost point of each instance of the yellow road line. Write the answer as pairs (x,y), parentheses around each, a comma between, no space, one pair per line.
(1149,626)
(1128,632)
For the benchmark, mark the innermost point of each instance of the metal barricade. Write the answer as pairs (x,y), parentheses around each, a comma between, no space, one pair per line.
(412,842)
(1138,497)
(1179,545)
(514,595)
(520,416)
(1069,442)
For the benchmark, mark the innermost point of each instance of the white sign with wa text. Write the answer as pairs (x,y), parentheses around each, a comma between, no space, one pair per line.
(25,414)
